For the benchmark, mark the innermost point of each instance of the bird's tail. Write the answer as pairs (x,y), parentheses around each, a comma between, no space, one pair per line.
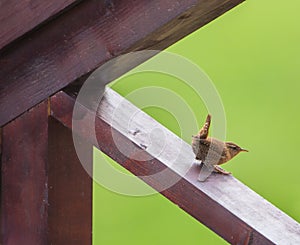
(203,133)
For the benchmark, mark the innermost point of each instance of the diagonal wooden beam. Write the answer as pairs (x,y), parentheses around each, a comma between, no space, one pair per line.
(222,203)
(85,37)
(18,17)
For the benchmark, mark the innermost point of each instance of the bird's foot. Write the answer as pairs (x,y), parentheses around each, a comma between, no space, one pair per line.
(220,170)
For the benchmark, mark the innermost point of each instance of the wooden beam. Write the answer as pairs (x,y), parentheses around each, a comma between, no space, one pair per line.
(197,14)
(85,37)
(222,203)
(18,17)
(24,190)
(46,195)
(70,189)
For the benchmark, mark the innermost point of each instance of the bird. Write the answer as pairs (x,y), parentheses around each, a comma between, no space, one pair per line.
(212,152)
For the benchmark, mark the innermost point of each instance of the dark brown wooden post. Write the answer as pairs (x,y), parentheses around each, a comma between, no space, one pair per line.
(46,194)
(70,189)
(24,178)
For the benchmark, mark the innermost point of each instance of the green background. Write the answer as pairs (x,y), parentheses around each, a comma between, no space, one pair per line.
(252,54)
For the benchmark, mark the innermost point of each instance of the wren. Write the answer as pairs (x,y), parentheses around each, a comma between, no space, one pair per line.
(212,152)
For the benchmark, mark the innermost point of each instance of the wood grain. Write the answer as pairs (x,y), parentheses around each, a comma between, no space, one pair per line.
(18,17)
(222,203)
(70,189)
(85,37)
(24,190)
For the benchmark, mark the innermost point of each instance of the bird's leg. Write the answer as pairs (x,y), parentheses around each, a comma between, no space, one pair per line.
(197,162)
(203,133)
(220,170)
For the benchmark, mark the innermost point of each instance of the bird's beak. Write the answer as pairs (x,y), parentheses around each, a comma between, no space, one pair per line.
(244,150)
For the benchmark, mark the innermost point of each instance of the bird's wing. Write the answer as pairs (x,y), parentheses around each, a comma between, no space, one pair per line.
(211,151)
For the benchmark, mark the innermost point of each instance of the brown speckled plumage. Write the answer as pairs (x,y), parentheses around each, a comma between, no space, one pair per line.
(212,152)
